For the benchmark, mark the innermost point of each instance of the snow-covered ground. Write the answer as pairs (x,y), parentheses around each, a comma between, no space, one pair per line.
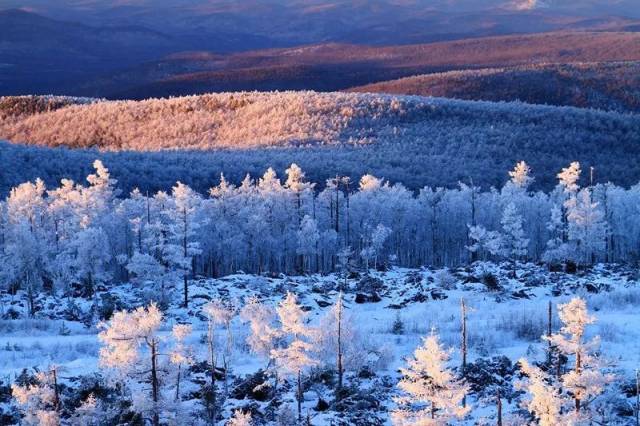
(508,320)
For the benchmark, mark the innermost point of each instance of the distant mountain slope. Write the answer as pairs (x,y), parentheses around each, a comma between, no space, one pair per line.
(330,67)
(43,55)
(609,86)
(419,141)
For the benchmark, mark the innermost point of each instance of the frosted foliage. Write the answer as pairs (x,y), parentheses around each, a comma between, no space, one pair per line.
(432,393)
(292,317)
(60,236)
(124,334)
(521,175)
(240,419)
(37,401)
(181,353)
(544,401)
(295,356)
(219,312)
(296,179)
(353,345)
(514,241)
(569,177)
(370,183)
(263,331)
(587,380)
(587,227)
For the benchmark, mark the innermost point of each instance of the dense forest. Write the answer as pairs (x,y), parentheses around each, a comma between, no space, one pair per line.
(414,140)
(603,86)
(86,234)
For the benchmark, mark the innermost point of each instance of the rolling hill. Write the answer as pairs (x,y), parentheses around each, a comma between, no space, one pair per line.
(608,86)
(418,141)
(330,67)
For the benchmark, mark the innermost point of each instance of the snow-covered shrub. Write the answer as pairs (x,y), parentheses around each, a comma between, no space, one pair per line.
(445,279)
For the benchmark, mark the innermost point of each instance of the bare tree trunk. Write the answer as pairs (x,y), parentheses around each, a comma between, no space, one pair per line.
(578,367)
(56,393)
(637,397)
(178,384)
(154,381)
(339,364)
(299,396)
(185,252)
(463,308)
(549,319)
(212,360)
(499,400)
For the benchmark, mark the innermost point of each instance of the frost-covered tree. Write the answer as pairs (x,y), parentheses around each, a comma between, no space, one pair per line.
(144,268)
(181,354)
(484,241)
(586,381)
(24,262)
(432,393)
(556,249)
(308,238)
(544,401)
(296,353)
(514,244)
(92,254)
(374,245)
(338,343)
(240,418)
(38,401)
(587,228)
(131,347)
(264,333)
(569,177)
(220,312)
(521,176)
(89,413)
(182,230)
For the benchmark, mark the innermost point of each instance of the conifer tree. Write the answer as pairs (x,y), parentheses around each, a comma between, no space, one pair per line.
(432,394)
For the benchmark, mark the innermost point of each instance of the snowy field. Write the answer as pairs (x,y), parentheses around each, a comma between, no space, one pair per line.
(504,319)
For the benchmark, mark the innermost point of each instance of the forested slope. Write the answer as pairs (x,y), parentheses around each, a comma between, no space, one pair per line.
(609,86)
(419,141)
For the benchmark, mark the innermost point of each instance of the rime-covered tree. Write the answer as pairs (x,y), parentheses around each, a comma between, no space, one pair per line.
(308,237)
(544,401)
(338,342)
(240,418)
(484,241)
(587,228)
(521,176)
(296,353)
(91,256)
(263,335)
(182,354)
(131,347)
(220,312)
(514,244)
(182,230)
(374,244)
(432,393)
(587,380)
(37,401)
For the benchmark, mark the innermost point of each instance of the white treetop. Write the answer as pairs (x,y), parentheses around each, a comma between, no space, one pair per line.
(521,175)
(569,177)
